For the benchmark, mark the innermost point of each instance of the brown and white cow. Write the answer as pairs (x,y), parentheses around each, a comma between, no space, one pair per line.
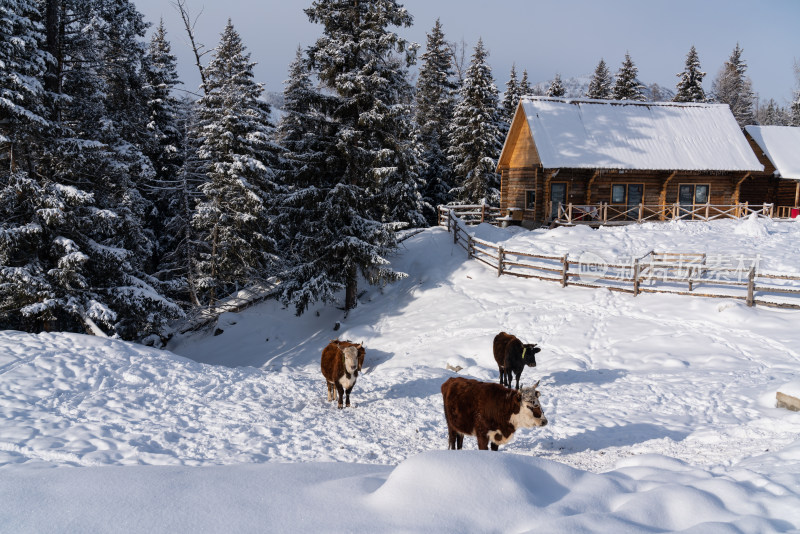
(340,369)
(488,411)
(512,356)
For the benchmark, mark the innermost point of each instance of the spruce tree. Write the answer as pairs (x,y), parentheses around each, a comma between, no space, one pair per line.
(85,247)
(525,88)
(307,134)
(166,149)
(239,158)
(556,88)
(510,98)
(794,107)
(627,87)
(690,86)
(22,66)
(475,135)
(435,102)
(600,84)
(733,87)
(163,109)
(371,164)
(773,114)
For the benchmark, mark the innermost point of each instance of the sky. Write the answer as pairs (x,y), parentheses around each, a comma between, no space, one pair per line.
(568,37)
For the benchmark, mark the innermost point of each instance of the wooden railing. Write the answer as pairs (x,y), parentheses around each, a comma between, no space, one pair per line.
(470,214)
(655,272)
(785,212)
(605,213)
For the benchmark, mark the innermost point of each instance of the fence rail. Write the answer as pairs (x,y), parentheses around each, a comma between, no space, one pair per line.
(655,272)
(605,213)
(470,214)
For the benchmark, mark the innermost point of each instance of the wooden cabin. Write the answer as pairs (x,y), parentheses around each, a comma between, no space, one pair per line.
(622,159)
(778,149)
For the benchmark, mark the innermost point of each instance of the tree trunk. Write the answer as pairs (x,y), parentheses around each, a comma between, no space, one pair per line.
(351,291)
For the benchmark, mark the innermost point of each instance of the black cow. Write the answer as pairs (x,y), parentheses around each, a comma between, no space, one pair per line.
(512,355)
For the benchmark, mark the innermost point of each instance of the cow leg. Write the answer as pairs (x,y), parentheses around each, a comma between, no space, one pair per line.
(509,384)
(347,396)
(483,440)
(501,375)
(460,440)
(340,391)
(331,394)
(452,437)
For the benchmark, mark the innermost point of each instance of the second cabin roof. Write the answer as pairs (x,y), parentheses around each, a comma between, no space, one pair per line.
(610,134)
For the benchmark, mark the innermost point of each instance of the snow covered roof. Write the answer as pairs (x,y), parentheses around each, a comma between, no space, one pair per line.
(781,144)
(609,134)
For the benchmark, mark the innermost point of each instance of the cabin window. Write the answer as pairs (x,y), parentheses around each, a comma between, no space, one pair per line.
(530,199)
(692,195)
(618,194)
(630,196)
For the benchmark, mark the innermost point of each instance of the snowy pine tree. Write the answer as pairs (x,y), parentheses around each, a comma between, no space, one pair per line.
(435,102)
(371,162)
(165,149)
(773,114)
(475,135)
(164,115)
(85,247)
(173,188)
(525,88)
(600,84)
(794,107)
(690,86)
(733,87)
(22,66)
(556,87)
(239,159)
(627,87)
(510,99)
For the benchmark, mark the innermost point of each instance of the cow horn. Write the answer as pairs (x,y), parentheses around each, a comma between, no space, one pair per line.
(536,385)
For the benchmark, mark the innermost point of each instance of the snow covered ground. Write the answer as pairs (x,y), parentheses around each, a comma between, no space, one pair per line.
(661,408)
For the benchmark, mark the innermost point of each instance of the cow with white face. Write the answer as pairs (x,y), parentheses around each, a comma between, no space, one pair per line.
(340,369)
(490,412)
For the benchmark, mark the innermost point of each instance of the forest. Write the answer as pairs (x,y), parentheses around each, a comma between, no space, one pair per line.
(125,204)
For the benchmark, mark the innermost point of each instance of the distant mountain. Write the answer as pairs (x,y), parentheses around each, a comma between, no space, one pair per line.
(577,86)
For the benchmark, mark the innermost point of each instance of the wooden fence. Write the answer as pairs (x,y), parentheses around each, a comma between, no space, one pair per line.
(605,213)
(655,272)
(470,214)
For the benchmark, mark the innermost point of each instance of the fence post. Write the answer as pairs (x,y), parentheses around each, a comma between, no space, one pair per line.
(565,268)
(707,206)
(751,278)
(483,212)
(641,212)
(675,211)
(469,245)
(635,277)
(499,261)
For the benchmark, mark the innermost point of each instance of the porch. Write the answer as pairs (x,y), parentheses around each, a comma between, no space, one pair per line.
(604,213)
